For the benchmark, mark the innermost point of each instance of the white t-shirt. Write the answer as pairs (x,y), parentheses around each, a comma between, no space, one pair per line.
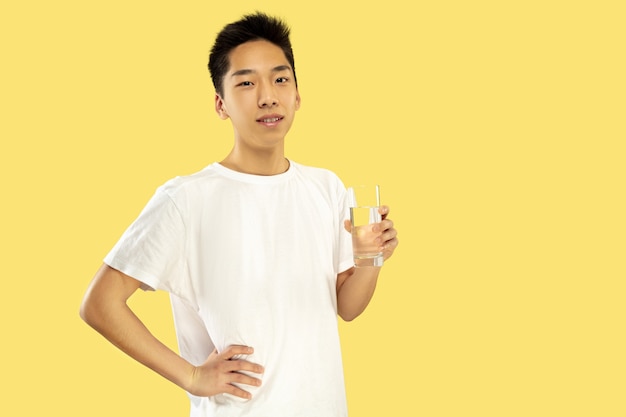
(251,260)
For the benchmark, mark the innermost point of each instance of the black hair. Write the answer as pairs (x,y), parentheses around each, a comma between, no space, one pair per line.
(257,26)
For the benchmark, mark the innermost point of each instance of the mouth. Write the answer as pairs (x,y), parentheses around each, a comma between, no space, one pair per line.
(270,119)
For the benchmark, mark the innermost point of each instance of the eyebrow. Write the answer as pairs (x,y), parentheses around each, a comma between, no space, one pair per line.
(251,71)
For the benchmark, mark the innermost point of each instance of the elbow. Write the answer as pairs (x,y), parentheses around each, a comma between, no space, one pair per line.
(348,309)
(105,297)
(86,312)
(347,316)
(90,312)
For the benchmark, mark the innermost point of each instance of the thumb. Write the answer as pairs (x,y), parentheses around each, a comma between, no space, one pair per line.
(347,224)
(213,354)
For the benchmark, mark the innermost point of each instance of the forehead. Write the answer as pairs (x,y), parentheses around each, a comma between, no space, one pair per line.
(257,55)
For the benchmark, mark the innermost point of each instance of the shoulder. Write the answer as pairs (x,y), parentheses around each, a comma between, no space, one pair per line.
(183,184)
(322,175)
(185,191)
(323,183)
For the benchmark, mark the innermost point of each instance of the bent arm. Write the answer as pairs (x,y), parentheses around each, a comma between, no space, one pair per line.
(355,288)
(105,308)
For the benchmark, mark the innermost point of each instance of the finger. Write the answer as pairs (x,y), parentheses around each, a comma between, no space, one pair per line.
(237,392)
(234,350)
(383,226)
(384,211)
(391,246)
(244,365)
(383,240)
(387,224)
(388,235)
(240,378)
(347,224)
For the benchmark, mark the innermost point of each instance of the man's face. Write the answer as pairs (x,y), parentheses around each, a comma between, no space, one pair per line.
(260,94)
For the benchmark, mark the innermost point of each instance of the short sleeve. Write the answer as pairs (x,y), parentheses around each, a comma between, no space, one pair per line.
(345,255)
(152,249)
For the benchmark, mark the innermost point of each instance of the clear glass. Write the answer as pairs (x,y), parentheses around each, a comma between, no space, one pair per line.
(364,202)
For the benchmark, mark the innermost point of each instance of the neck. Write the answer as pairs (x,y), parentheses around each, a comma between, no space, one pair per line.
(257,163)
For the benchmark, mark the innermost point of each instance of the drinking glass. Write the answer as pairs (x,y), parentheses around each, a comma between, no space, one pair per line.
(364,202)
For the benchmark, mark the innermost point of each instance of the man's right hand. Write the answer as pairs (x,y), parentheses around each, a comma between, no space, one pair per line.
(222,370)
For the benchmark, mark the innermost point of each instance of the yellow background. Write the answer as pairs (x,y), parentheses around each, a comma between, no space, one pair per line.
(495,129)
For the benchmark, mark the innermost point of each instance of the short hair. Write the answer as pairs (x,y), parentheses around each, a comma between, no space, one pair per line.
(257,26)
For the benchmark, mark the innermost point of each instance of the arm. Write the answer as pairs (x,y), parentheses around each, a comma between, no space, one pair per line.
(355,287)
(105,308)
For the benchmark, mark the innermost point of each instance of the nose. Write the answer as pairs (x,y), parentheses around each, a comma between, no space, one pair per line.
(267,96)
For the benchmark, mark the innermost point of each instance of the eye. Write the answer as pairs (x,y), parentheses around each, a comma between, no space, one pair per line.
(245,84)
(281,80)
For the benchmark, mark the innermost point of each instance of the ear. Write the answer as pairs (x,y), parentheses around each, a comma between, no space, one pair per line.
(298,100)
(220,107)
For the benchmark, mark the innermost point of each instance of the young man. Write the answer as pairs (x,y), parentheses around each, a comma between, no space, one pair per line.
(254,250)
